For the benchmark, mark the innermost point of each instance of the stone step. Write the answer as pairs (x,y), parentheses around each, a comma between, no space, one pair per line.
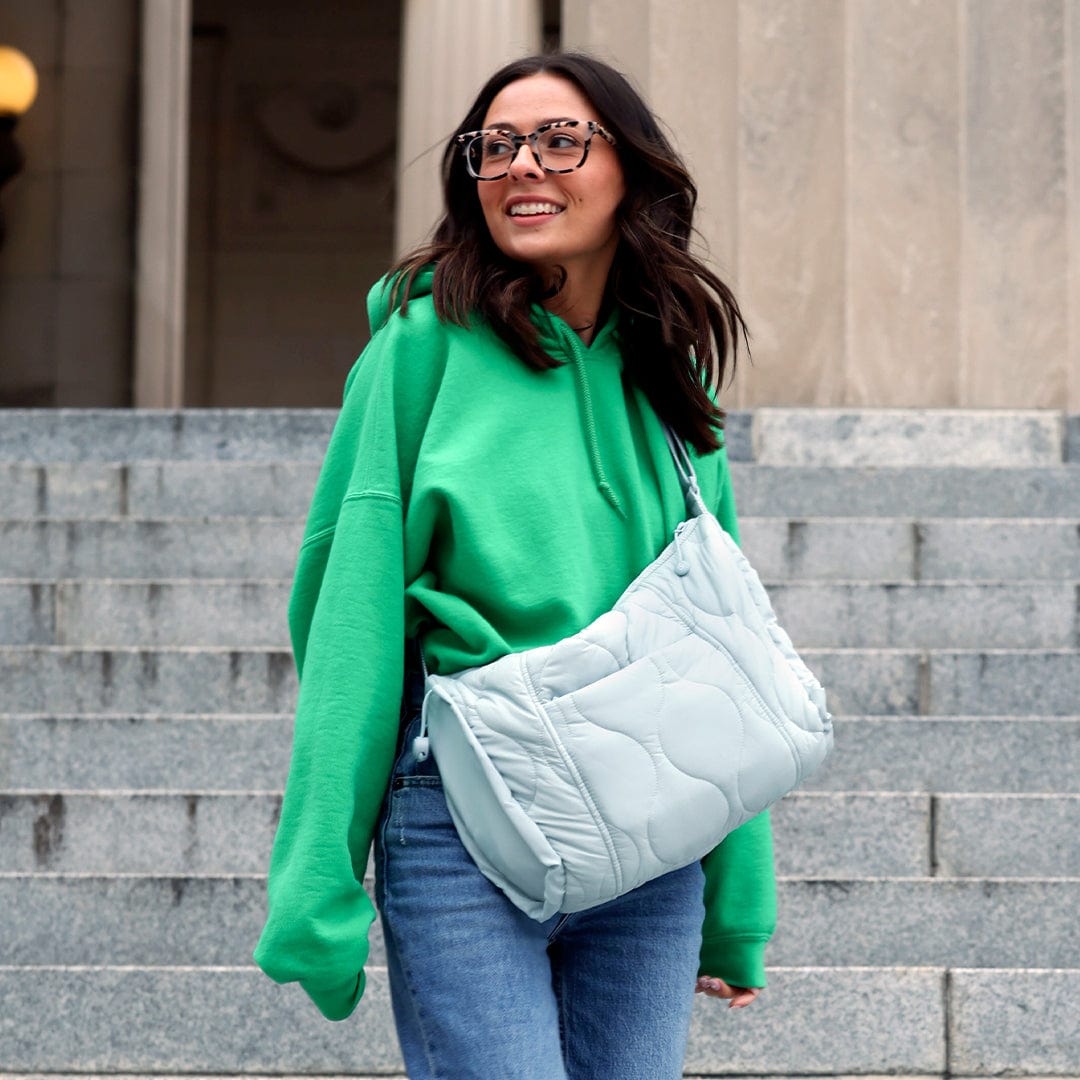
(251,753)
(956,682)
(912,1020)
(235,1020)
(789,435)
(203,919)
(186,489)
(938,615)
(814,549)
(238,547)
(107,435)
(817,834)
(918,492)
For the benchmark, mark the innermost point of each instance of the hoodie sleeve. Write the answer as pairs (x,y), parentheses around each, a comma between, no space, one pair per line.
(740,880)
(346,620)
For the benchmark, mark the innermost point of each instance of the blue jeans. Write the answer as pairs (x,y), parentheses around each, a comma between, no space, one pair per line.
(480,990)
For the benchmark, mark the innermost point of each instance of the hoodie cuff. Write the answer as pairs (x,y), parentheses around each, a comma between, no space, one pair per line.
(336,1002)
(738,961)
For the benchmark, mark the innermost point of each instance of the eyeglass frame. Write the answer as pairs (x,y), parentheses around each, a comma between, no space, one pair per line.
(466,138)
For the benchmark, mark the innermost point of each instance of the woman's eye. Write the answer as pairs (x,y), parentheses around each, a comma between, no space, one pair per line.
(560,140)
(497,147)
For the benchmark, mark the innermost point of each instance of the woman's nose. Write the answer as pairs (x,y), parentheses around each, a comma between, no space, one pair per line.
(525,166)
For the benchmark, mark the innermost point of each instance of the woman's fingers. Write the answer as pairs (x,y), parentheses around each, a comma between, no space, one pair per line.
(738,996)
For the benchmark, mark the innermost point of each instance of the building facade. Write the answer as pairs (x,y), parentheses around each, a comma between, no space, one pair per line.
(212,185)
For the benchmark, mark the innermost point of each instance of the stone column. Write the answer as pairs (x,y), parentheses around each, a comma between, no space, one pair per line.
(162,204)
(683,58)
(449,48)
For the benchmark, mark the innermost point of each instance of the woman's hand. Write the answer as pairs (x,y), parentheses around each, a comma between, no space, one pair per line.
(740,996)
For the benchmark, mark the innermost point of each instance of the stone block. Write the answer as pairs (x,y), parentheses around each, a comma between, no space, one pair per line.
(91,919)
(843,835)
(1072,438)
(828,549)
(85,489)
(863,681)
(133,751)
(124,435)
(738,435)
(938,922)
(154,614)
(1008,835)
(232,1020)
(27,613)
(1003,682)
(137,832)
(953,754)
(908,437)
(817,1020)
(185,1020)
(55,679)
(1025,550)
(927,615)
(22,493)
(1014,1023)
(918,493)
(233,489)
(249,548)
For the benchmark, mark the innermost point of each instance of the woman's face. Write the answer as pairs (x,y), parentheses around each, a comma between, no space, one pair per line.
(575,226)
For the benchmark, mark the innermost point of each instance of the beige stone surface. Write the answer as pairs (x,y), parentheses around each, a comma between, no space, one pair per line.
(30,215)
(92,342)
(33,27)
(1015,248)
(97,115)
(694,90)
(791,198)
(94,224)
(27,332)
(1072,136)
(903,187)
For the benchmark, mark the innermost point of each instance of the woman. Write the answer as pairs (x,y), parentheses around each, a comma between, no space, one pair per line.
(497,476)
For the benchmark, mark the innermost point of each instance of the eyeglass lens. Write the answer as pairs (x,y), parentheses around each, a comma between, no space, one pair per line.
(558,148)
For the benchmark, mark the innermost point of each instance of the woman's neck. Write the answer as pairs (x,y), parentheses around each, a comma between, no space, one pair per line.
(578,303)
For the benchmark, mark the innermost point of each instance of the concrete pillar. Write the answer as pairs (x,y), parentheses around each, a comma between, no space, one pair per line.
(162,204)
(449,48)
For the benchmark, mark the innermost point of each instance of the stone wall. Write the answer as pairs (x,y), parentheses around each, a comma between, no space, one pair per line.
(889,185)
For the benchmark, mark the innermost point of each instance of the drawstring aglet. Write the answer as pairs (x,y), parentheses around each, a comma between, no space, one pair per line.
(682,567)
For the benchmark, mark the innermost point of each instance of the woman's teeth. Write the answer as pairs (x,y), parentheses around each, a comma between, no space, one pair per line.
(518,209)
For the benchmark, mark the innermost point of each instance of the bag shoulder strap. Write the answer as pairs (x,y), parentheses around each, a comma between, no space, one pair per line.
(695,507)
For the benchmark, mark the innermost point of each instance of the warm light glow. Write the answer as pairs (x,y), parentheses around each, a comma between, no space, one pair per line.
(18,81)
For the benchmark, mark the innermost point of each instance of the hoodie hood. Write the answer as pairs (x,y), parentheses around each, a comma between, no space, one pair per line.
(557,338)
(378,300)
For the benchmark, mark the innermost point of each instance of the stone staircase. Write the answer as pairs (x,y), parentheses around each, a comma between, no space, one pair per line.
(927,564)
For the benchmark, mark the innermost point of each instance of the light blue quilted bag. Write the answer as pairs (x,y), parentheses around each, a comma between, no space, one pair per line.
(577,771)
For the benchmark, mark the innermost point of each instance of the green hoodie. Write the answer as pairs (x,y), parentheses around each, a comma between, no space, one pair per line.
(509,508)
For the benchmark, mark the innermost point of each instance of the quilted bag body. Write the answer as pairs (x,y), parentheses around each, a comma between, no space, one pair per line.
(577,771)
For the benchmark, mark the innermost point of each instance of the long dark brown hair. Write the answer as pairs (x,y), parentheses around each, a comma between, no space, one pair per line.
(680,323)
